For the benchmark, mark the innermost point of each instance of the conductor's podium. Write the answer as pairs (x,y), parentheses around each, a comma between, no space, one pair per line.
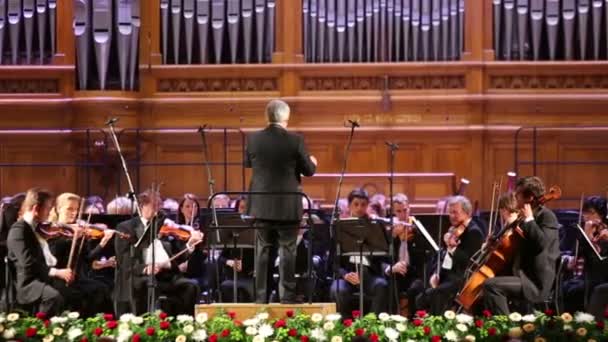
(248,310)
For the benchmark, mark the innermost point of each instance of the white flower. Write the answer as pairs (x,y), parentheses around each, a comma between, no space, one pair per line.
(202,318)
(1,328)
(398,318)
(251,331)
(188,329)
(567,327)
(73,315)
(124,336)
(530,318)
(9,333)
(400,327)
(566,317)
(58,320)
(2,318)
(74,333)
(184,318)
(180,338)
(48,338)
(515,316)
(199,335)
(462,327)
(263,315)
(391,334)
(583,317)
(451,335)
(332,317)
(328,326)
(124,327)
(251,322)
(383,317)
(137,320)
(316,317)
(265,330)
(12,317)
(336,339)
(449,314)
(318,334)
(469,338)
(464,318)
(57,331)
(126,318)
(258,338)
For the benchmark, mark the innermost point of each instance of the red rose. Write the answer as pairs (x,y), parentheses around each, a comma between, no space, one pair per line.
(41,315)
(374,338)
(304,338)
(427,330)
(111,324)
(479,323)
(492,331)
(108,317)
(417,322)
(98,331)
(293,332)
(487,313)
(213,338)
(435,338)
(348,322)
(356,313)
(150,331)
(162,315)
(606,313)
(136,338)
(421,313)
(46,323)
(30,332)
(231,314)
(549,312)
(359,332)
(279,324)
(289,313)
(84,339)
(225,333)
(600,324)
(164,325)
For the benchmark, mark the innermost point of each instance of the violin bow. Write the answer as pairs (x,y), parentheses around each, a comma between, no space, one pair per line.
(74,241)
(580,217)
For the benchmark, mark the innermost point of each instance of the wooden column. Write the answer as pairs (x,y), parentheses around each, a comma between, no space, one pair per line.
(149,45)
(288,48)
(66,50)
(488,31)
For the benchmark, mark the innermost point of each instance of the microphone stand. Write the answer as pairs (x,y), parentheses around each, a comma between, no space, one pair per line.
(393,147)
(335,216)
(211,183)
(151,278)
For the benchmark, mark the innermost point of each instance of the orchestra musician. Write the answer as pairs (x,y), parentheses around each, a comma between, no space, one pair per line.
(132,270)
(534,264)
(462,241)
(29,253)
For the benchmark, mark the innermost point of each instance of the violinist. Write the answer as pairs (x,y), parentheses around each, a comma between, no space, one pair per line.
(576,290)
(29,253)
(84,294)
(463,239)
(132,270)
(534,265)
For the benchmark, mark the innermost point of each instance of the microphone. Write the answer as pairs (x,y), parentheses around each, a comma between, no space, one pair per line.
(392,146)
(354,123)
(202,128)
(111,121)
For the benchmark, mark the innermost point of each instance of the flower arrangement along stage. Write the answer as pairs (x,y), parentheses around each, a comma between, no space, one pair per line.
(303,328)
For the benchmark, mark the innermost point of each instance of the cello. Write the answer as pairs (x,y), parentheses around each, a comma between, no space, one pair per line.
(496,256)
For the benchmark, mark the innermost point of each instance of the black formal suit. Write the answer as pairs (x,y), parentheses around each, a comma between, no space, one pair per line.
(439,299)
(245,276)
(534,265)
(131,282)
(278,159)
(33,283)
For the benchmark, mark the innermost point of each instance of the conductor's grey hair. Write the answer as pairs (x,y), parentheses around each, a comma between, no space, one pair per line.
(277,111)
(464,203)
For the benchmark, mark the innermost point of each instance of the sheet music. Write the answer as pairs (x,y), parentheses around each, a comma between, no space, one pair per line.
(426,235)
(589,243)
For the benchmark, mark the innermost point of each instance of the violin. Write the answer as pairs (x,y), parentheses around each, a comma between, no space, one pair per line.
(599,231)
(405,231)
(177,231)
(50,230)
(96,231)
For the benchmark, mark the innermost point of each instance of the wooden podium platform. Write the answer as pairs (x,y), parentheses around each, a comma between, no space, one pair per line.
(248,310)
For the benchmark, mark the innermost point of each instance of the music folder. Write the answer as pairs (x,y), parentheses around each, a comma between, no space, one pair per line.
(589,243)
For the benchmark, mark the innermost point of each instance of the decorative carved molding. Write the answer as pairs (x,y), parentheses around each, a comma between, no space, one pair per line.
(549,82)
(378,83)
(217,85)
(29,86)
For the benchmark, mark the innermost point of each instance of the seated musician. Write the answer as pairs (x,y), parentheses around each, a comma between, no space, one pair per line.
(593,272)
(533,271)
(375,284)
(241,260)
(454,258)
(87,295)
(133,269)
(30,254)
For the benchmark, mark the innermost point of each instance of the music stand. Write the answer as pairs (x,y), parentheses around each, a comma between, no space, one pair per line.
(358,235)
(589,243)
(236,229)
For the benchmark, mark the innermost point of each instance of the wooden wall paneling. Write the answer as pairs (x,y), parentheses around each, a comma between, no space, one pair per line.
(65,54)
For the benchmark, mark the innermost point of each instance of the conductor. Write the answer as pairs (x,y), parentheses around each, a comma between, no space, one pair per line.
(278,159)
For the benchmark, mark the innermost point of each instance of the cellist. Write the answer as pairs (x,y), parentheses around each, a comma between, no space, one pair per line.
(534,262)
